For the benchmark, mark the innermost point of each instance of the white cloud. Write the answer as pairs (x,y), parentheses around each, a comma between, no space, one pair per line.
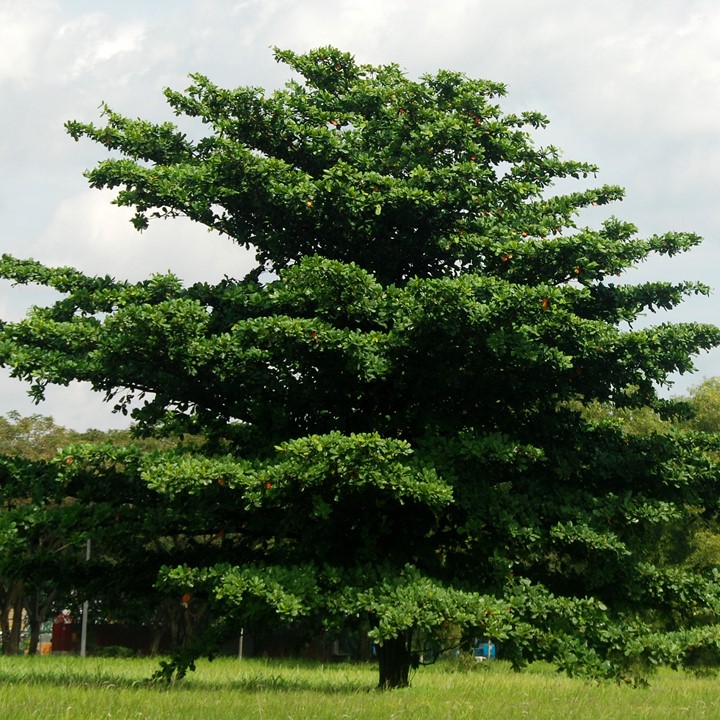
(96,40)
(89,233)
(24,24)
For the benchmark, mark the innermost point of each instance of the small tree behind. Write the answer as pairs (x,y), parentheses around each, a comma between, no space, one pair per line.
(48,512)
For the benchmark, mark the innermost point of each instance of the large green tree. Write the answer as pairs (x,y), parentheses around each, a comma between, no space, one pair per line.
(392,399)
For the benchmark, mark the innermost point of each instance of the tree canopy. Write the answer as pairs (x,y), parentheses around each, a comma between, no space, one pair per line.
(391,399)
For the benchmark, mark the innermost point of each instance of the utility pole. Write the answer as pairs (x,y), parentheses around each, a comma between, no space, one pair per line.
(83,629)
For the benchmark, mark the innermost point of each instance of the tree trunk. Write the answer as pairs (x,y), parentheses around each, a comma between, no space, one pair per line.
(11,598)
(4,626)
(17,623)
(33,613)
(37,609)
(394,660)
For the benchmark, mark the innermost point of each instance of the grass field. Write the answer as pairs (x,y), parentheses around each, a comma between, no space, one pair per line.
(69,687)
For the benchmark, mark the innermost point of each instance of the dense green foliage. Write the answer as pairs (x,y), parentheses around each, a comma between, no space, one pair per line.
(48,512)
(40,535)
(393,400)
(704,402)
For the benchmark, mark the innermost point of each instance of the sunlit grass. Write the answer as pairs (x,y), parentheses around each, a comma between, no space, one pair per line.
(70,687)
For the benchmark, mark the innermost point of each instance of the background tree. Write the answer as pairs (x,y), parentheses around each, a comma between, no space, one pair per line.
(47,514)
(36,437)
(390,399)
(704,405)
(32,541)
(134,531)
(702,416)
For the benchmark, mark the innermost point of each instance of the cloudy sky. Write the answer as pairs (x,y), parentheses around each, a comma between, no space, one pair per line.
(632,85)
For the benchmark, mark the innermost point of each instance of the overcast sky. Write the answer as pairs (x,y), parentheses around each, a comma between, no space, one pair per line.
(632,85)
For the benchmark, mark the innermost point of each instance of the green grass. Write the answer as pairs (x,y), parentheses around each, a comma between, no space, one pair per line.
(69,687)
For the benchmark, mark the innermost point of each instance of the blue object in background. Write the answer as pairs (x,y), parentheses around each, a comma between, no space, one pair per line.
(485,651)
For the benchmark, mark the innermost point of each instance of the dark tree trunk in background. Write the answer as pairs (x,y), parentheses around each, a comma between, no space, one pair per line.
(33,612)
(394,658)
(11,606)
(17,623)
(37,610)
